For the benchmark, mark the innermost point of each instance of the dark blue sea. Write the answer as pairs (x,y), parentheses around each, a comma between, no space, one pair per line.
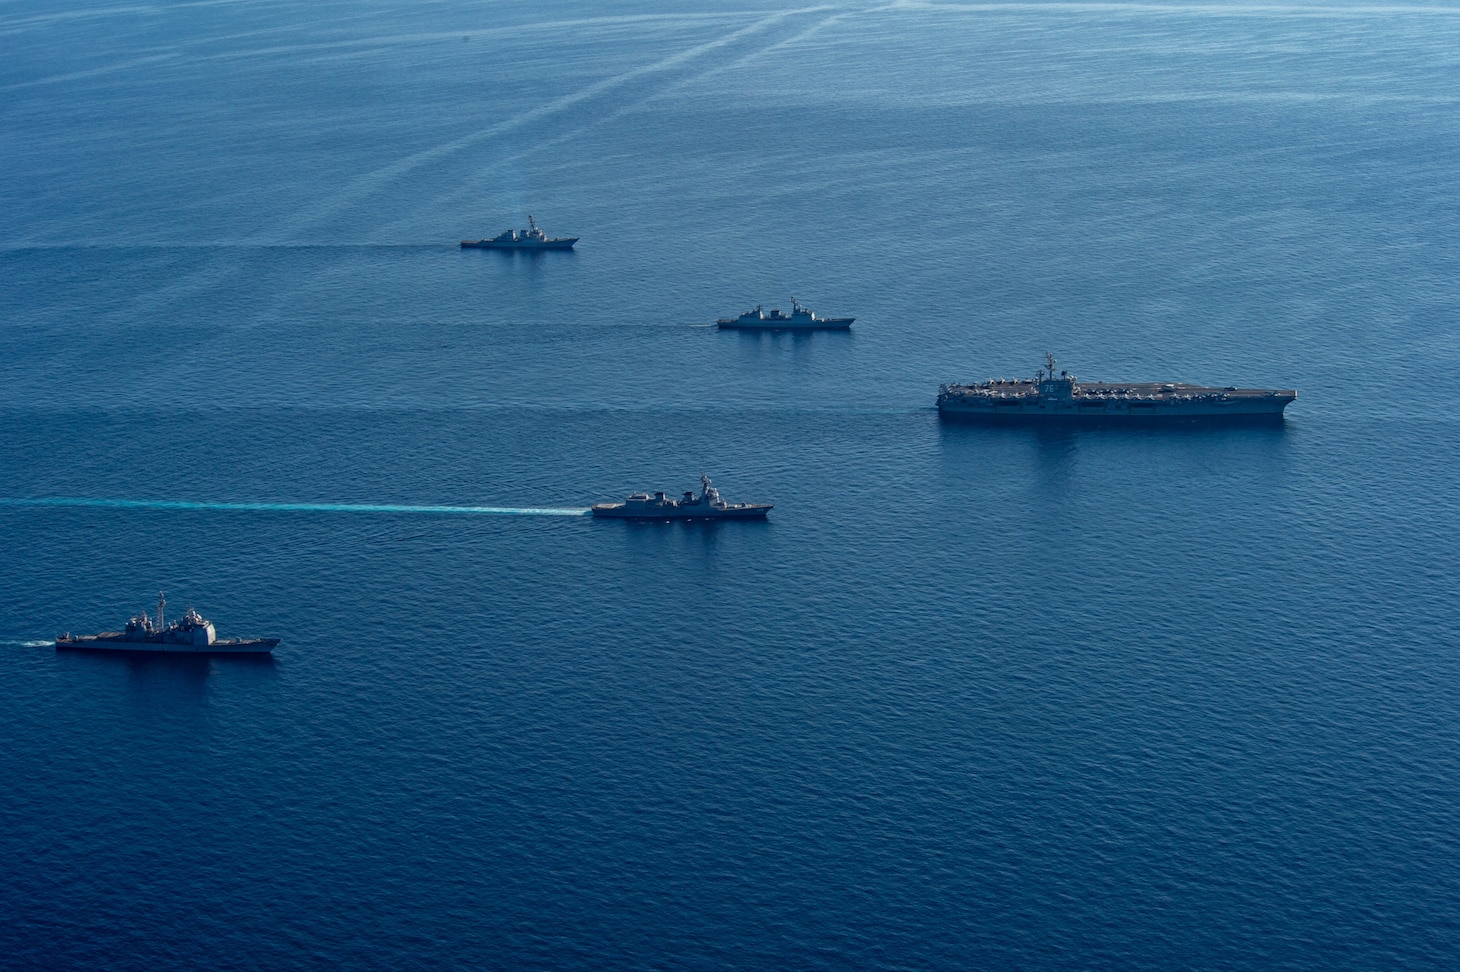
(970,699)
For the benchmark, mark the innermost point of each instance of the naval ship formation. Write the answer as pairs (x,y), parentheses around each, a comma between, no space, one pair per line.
(531,238)
(191,635)
(1047,398)
(1062,399)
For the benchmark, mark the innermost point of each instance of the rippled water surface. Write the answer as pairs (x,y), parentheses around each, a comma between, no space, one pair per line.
(970,698)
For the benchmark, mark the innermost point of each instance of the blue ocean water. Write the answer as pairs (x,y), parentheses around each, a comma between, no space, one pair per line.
(971,698)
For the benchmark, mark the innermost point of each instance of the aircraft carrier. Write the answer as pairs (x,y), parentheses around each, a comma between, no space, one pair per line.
(1061,398)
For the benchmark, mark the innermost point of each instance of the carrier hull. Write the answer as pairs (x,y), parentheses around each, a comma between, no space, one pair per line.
(1113,413)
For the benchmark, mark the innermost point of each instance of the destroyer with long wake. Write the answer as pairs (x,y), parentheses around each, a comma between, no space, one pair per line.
(192,635)
(1052,398)
(707,506)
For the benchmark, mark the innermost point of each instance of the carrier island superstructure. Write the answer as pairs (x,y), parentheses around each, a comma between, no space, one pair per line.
(1061,398)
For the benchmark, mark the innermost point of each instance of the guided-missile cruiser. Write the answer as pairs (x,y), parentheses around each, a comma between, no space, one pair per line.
(191,635)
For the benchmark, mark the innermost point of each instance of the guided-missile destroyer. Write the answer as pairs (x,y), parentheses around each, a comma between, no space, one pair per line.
(707,506)
(531,238)
(801,318)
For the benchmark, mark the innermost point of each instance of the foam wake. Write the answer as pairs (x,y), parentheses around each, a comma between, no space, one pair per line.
(295,507)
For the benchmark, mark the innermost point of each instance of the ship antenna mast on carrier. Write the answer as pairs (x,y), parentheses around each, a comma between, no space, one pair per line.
(161,603)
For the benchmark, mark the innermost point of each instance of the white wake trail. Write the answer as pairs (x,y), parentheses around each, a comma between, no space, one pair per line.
(131,504)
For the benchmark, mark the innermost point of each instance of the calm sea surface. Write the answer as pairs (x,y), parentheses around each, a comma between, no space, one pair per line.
(970,699)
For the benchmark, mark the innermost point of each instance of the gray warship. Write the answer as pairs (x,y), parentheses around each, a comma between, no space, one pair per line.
(801,318)
(707,506)
(1051,398)
(191,635)
(531,238)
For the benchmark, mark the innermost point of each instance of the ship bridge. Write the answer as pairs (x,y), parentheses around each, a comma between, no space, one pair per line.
(1058,389)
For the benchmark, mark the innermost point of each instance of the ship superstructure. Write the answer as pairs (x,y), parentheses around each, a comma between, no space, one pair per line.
(801,318)
(531,238)
(191,634)
(1051,397)
(709,505)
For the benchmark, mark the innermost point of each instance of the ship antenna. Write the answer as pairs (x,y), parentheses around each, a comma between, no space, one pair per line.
(161,603)
(530,222)
(1049,360)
